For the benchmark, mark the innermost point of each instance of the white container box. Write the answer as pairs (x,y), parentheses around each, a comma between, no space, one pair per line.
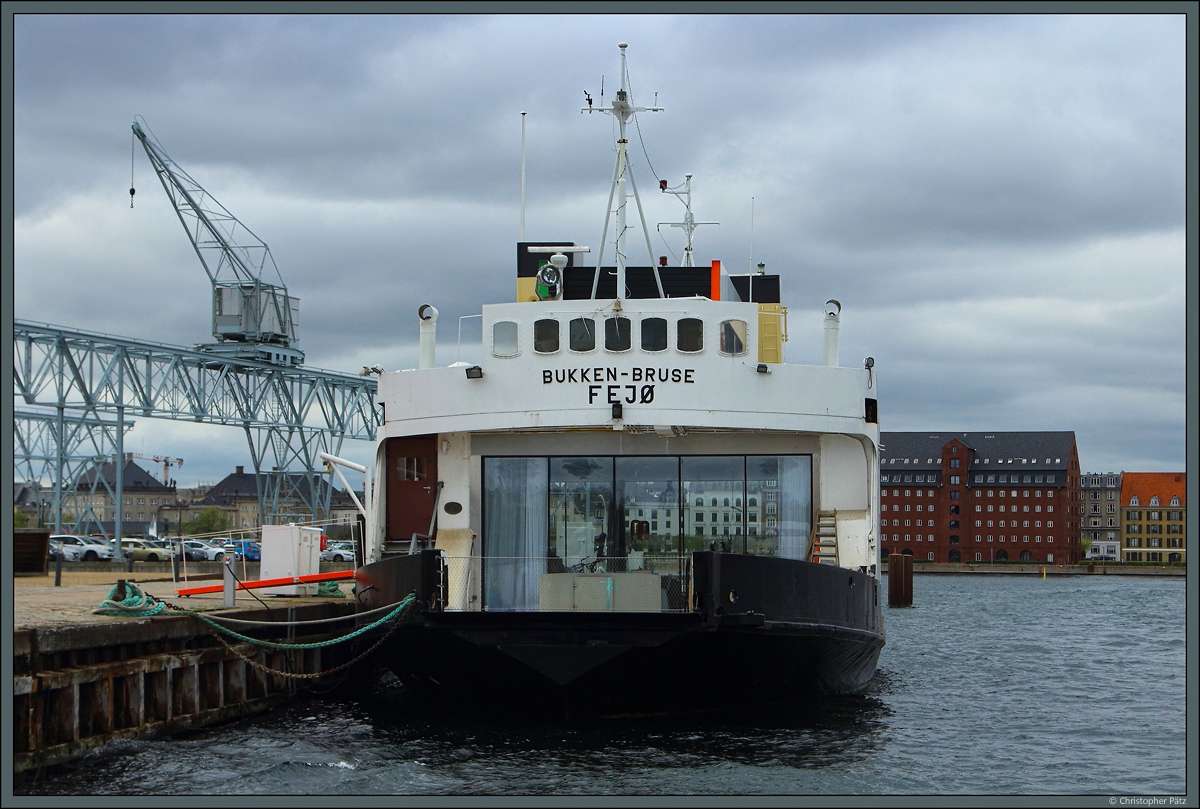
(289,551)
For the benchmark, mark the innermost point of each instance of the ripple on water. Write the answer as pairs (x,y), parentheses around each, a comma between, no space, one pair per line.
(1014,673)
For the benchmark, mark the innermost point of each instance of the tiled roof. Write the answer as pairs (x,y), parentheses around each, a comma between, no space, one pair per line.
(1145,485)
(1027,450)
(25,494)
(244,485)
(132,477)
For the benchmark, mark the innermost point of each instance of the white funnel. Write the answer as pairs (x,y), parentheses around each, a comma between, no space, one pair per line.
(428,316)
(833,311)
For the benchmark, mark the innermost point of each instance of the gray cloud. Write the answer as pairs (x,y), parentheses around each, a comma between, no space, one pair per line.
(992,197)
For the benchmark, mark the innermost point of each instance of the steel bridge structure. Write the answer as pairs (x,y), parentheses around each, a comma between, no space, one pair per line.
(76,391)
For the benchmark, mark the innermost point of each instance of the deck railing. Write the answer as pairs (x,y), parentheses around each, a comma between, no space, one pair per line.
(548,584)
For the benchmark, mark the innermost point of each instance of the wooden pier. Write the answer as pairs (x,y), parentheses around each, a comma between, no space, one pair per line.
(78,685)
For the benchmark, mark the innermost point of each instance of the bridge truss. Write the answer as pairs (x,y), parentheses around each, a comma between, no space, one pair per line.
(73,379)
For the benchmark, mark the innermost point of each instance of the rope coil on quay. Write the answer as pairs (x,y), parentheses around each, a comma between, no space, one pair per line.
(137,604)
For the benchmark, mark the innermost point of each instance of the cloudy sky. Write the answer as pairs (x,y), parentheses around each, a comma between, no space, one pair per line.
(998,201)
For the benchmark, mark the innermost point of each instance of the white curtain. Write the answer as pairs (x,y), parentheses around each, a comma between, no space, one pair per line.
(514,532)
(795,505)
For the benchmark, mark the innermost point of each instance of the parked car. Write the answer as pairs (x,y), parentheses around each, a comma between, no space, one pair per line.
(69,553)
(252,551)
(142,551)
(338,551)
(196,551)
(90,550)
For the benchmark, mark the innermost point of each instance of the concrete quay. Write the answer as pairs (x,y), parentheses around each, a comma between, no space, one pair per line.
(81,680)
(37,602)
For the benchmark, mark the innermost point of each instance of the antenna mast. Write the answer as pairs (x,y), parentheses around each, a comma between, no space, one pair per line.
(689,223)
(622,109)
(521,238)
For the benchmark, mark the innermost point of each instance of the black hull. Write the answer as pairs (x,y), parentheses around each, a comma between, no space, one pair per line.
(805,630)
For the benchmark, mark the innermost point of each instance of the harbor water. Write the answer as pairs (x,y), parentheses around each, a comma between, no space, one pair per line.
(988,685)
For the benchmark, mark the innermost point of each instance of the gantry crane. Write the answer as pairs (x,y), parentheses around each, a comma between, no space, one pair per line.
(253,320)
(253,317)
(162,459)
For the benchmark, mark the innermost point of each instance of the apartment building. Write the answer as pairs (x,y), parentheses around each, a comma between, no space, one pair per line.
(980,497)
(143,495)
(237,495)
(1100,520)
(1154,517)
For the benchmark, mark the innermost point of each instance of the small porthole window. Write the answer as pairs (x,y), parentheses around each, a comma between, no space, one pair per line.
(654,334)
(583,334)
(617,335)
(545,336)
(690,335)
(504,338)
(733,337)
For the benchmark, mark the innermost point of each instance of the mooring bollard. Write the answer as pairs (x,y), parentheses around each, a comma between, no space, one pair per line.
(900,572)
(230,594)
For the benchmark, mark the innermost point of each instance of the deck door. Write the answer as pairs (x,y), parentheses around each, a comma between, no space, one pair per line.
(411,485)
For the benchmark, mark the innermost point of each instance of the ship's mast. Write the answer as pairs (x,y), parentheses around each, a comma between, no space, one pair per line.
(622,110)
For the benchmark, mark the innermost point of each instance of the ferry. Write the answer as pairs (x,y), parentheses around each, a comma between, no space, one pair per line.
(630,505)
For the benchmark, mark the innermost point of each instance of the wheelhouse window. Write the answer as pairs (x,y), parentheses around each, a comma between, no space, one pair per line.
(504,339)
(690,334)
(545,336)
(733,337)
(617,335)
(583,334)
(654,334)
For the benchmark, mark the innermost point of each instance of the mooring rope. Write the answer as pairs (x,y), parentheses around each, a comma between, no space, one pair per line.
(139,604)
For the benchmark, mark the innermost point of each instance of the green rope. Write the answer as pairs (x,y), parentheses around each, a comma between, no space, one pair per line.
(330,589)
(135,603)
(139,604)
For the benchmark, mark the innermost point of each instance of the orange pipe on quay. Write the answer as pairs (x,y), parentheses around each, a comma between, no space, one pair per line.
(339,575)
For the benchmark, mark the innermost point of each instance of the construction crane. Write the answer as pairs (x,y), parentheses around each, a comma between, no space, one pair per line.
(162,459)
(252,317)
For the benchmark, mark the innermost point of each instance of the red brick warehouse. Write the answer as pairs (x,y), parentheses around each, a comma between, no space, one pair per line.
(980,497)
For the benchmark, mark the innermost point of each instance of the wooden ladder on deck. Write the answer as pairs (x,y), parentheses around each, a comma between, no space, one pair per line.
(823,544)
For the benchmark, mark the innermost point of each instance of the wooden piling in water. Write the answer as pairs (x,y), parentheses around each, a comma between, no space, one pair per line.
(78,687)
(900,573)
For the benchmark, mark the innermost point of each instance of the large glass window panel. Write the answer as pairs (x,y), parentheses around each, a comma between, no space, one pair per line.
(713,477)
(783,484)
(648,487)
(514,532)
(581,503)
